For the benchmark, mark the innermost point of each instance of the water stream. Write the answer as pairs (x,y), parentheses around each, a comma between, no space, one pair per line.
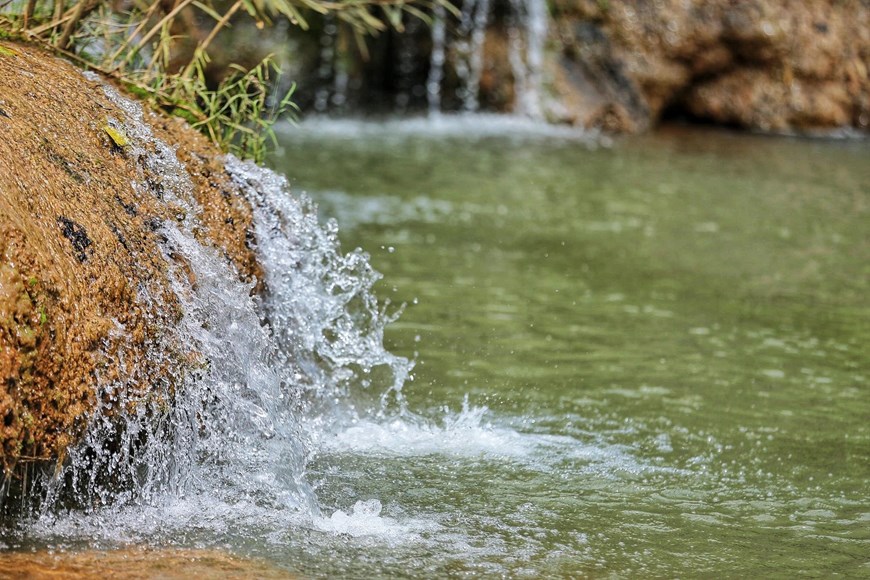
(646,357)
(457,58)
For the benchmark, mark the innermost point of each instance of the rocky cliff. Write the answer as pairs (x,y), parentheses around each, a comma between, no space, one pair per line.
(769,65)
(620,65)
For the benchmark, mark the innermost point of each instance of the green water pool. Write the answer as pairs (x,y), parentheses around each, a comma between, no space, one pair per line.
(662,346)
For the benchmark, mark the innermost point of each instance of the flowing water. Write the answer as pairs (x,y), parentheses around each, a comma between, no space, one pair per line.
(458,59)
(644,358)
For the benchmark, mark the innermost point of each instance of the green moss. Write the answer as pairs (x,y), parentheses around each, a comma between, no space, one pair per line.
(184,114)
(137,91)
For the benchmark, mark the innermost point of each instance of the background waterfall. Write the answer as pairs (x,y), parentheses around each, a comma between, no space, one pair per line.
(441,67)
(526,48)
(469,48)
(526,25)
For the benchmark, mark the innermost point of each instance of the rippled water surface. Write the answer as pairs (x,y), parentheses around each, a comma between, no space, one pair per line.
(640,357)
(650,357)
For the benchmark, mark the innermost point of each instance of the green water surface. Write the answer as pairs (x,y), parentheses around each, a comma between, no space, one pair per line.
(670,334)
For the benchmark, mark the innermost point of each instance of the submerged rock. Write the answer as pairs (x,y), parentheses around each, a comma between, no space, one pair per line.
(135,564)
(84,292)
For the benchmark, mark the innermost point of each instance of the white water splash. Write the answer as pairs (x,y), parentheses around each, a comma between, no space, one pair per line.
(365,519)
(319,303)
(471,434)
(225,435)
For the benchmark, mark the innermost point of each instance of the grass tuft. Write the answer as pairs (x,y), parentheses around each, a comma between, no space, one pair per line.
(142,44)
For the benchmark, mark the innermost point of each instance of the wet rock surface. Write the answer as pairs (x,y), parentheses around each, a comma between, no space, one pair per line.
(134,564)
(84,293)
(764,65)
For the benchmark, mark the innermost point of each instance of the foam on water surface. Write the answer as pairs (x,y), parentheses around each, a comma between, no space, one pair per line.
(473,433)
(365,519)
(459,125)
(351,211)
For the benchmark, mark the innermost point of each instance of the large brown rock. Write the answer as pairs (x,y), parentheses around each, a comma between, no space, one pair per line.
(84,292)
(778,65)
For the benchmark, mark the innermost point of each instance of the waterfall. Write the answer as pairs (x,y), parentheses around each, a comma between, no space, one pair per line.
(469,51)
(457,59)
(251,377)
(404,82)
(436,59)
(527,32)
(526,54)
(326,68)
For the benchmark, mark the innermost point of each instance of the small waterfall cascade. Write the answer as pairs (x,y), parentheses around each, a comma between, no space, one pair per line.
(252,376)
(444,71)
(436,59)
(462,47)
(469,51)
(332,75)
(526,54)
(404,78)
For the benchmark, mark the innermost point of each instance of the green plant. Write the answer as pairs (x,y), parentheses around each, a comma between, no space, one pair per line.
(238,114)
(159,50)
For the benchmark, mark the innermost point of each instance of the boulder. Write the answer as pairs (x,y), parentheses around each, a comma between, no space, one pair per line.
(769,65)
(84,293)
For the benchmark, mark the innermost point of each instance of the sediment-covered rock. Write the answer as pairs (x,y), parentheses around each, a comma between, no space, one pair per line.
(136,564)
(84,292)
(770,65)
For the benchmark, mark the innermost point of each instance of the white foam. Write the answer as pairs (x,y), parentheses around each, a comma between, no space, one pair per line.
(469,434)
(365,519)
(465,125)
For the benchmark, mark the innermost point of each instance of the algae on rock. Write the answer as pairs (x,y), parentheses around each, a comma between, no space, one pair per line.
(84,293)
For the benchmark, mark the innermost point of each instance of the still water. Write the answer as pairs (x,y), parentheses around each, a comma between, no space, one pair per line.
(643,358)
